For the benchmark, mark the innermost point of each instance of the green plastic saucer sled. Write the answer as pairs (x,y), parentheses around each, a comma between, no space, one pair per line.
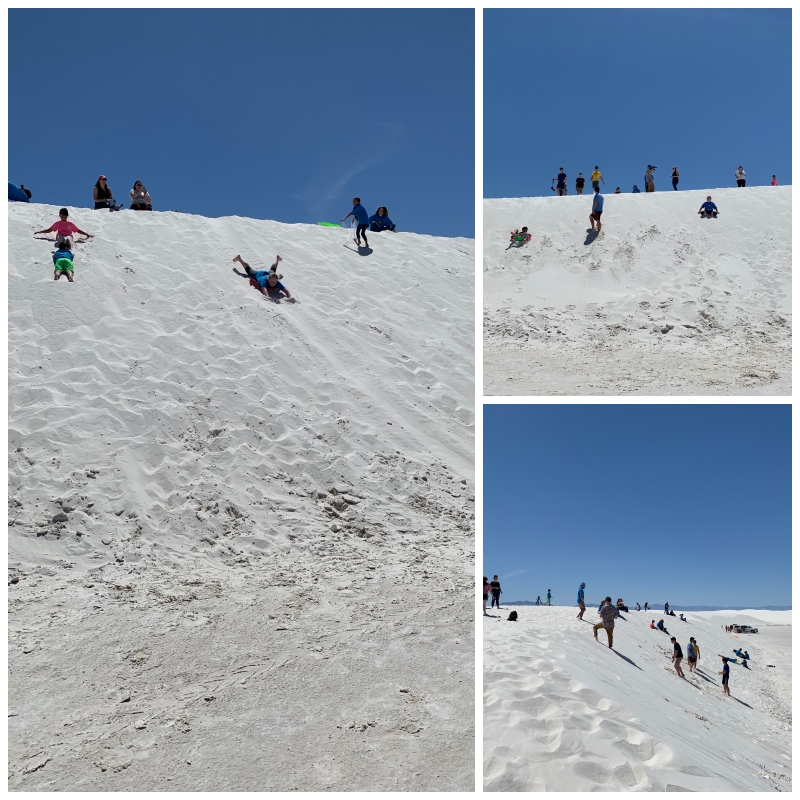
(329,224)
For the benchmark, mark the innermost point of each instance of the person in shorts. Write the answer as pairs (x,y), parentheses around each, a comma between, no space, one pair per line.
(726,671)
(677,656)
(561,185)
(267,282)
(581,603)
(597,176)
(62,261)
(362,220)
(580,182)
(607,613)
(597,209)
(691,655)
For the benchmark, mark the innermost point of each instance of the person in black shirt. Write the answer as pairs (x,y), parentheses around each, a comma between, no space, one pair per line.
(580,183)
(496,592)
(677,656)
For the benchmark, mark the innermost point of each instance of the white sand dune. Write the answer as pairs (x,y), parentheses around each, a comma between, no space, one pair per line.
(563,712)
(662,302)
(241,532)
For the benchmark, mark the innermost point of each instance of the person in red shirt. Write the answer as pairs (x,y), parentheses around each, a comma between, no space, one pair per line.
(64,229)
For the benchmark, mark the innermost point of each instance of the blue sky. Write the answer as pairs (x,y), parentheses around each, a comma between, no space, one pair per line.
(689,504)
(704,90)
(275,114)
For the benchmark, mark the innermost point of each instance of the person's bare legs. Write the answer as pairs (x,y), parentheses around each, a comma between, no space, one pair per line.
(679,670)
(70,278)
(57,275)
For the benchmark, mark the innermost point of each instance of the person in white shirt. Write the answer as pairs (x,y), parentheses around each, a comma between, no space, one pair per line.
(740,176)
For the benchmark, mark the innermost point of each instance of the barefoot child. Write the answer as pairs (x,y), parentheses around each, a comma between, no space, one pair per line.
(362,218)
(267,282)
(64,229)
(62,260)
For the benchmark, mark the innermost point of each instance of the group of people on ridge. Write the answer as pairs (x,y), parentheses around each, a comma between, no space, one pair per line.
(104,196)
(378,222)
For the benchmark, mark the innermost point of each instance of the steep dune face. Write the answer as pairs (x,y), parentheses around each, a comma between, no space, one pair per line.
(661,301)
(563,712)
(287,485)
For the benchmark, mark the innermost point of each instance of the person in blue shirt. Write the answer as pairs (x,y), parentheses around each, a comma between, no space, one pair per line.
(597,208)
(62,261)
(708,209)
(362,219)
(266,281)
(726,671)
(581,603)
(380,221)
(636,189)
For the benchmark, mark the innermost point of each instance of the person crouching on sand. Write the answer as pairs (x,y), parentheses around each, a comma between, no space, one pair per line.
(677,656)
(607,612)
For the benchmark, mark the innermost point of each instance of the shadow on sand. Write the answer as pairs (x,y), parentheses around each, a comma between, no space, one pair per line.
(625,658)
(362,251)
(591,236)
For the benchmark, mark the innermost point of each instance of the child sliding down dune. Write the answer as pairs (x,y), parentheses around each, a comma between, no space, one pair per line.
(267,282)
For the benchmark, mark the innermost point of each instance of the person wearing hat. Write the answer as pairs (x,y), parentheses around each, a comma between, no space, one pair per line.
(607,612)
(103,196)
(675,176)
(581,603)
(740,176)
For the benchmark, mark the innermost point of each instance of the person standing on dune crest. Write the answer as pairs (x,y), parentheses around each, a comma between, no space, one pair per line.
(496,592)
(485,594)
(597,209)
(607,612)
(362,221)
(581,603)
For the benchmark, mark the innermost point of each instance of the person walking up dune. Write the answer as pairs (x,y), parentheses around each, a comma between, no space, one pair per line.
(677,656)
(581,603)
(741,177)
(607,612)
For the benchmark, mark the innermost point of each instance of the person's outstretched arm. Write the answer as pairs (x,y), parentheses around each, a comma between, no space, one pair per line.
(83,233)
(349,215)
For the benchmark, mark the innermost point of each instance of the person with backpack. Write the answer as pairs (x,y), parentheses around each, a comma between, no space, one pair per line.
(579,183)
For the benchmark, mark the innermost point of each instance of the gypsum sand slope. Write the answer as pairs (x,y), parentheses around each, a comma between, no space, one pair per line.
(269,535)
(563,712)
(662,302)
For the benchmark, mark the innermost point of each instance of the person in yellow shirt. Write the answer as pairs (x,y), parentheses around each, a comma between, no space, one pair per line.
(597,176)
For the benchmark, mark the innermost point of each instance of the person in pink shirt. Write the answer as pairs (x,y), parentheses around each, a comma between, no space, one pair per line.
(64,229)
(774,181)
